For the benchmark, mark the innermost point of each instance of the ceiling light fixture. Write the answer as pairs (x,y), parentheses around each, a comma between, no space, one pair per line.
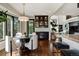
(23,18)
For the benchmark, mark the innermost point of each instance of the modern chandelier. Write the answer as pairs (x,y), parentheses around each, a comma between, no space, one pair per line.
(23,17)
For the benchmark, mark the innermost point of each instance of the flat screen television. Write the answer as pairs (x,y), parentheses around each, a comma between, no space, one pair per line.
(74,27)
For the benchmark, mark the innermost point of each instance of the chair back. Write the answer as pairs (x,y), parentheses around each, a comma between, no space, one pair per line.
(33,43)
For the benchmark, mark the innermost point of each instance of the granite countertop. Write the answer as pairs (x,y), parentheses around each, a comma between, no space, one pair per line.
(72,37)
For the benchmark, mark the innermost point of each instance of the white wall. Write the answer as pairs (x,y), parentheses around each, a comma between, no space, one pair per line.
(61,19)
(2,45)
(23,27)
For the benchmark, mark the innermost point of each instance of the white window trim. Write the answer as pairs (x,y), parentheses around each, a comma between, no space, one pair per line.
(11,28)
(3,30)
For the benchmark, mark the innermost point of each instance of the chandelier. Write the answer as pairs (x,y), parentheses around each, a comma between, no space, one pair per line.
(23,18)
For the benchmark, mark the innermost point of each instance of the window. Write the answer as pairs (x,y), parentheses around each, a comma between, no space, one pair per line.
(8,26)
(16,26)
(31,26)
(1,31)
(12,26)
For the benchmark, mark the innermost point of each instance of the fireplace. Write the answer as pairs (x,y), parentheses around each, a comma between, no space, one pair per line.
(43,35)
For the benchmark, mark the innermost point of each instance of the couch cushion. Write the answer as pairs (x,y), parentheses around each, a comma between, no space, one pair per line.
(61,45)
(70,52)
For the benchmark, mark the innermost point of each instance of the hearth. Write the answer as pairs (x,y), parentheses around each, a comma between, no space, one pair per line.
(43,35)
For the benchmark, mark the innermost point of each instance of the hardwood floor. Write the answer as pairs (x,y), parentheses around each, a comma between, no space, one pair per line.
(2,52)
(43,50)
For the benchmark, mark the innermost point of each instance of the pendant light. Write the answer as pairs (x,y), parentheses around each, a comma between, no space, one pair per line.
(23,18)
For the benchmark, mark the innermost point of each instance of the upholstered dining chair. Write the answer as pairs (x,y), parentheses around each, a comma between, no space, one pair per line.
(33,43)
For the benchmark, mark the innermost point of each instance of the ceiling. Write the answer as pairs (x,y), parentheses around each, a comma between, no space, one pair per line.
(32,9)
(68,9)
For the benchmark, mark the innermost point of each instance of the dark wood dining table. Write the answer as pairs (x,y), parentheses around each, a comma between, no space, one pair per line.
(23,41)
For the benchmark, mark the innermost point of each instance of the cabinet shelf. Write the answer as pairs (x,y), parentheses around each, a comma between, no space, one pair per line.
(41,21)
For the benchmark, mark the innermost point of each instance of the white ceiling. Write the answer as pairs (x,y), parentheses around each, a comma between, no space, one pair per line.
(50,9)
(36,8)
(68,9)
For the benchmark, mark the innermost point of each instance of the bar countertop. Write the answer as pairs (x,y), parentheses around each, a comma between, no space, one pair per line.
(72,37)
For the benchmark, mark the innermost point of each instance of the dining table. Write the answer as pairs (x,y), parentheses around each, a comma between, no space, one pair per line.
(24,40)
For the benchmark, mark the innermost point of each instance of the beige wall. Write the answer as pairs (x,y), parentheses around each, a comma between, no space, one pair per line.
(23,27)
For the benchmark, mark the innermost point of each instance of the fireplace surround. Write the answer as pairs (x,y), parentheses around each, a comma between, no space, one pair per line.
(43,35)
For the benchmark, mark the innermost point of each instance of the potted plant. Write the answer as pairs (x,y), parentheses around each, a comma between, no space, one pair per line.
(3,16)
(54,25)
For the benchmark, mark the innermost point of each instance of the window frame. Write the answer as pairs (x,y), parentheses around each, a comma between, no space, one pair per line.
(1,39)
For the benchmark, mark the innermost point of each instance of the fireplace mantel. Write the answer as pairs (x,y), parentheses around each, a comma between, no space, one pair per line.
(41,29)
